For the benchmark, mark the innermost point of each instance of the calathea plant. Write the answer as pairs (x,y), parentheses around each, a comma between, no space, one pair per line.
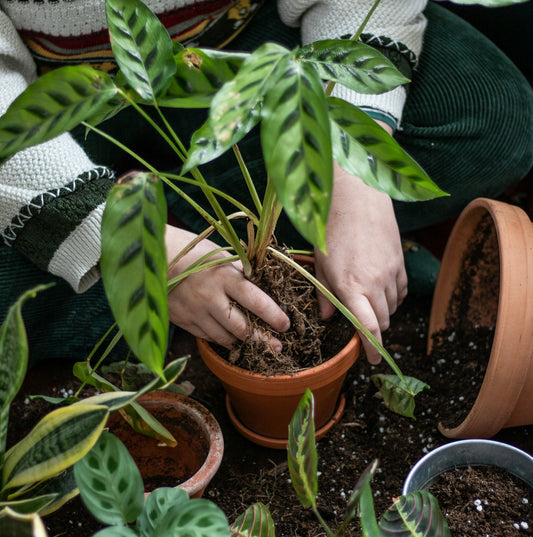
(303,129)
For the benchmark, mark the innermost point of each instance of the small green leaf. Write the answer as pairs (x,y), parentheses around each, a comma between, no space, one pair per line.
(302,456)
(142,47)
(200,73)
(110,484)
(134,265)
(55,103)
(415,515)
(364,149)
(256,521)
(195,518)
(156,506)
(296,143)
(396,395)
(117,531)
(353,64)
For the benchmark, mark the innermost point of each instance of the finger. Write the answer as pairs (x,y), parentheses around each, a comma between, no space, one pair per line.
(250,297)
(364,312)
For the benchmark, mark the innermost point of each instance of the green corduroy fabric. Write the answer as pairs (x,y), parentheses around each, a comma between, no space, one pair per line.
(468,121)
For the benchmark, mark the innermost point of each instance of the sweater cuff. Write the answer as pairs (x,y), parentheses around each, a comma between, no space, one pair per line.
(76,260)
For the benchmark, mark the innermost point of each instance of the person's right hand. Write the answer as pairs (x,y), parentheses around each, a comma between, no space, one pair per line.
(203,303)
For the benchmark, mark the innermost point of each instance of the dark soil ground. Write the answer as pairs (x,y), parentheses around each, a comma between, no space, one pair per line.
(367,430)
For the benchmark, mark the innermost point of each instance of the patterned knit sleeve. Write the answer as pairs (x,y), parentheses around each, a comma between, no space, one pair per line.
(396,29)
(51,195)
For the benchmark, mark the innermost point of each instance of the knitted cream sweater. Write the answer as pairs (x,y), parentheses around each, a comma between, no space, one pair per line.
(52,195)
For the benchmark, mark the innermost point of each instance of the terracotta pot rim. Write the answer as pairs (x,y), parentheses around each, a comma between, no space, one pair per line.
(470,452)
(196,483)
(337,362)
(475,424)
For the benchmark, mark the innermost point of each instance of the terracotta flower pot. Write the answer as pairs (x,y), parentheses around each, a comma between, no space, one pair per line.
(261,407)
(198,454)
(501,296)
(465,453)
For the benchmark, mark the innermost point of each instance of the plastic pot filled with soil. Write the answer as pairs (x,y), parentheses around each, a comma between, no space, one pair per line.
(193,462)
(484,292)
(483,487)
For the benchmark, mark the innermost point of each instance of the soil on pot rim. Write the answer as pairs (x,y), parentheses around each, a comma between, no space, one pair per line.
(367,430)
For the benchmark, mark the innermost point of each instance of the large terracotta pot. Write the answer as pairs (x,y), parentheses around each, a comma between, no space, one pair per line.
(501,282)
(200,445)
(261,407)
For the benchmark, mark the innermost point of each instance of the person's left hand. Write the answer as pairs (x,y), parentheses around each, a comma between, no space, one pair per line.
(364,265)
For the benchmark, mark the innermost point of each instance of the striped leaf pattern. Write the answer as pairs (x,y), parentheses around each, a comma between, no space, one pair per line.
(134,265)
(59,440)
(141,46)
(110,484)
(13,359)
(55,103)
(256,521)
(156,506)
(295,136)
(417,515)
(236,107)
(200,73)
(302,455)
(363,148)
(352,64)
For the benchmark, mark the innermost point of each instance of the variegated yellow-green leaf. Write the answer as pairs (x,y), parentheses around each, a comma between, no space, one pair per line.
(256,521)
(415,515)
(112,400)
(236,107)
(353,64)
(296,143)
(363,148)
(13,358)
(59,440)
(55,103)
(158,503)
(110,484)
(200,73)
(302,456)
(13,524)
(134,265)
(142,47)
(396,395)
(51,493)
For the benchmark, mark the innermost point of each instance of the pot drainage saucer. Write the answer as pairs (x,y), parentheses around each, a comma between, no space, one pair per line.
(281,443)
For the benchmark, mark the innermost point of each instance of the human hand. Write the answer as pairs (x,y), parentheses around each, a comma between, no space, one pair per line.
(203,303)
(364,265)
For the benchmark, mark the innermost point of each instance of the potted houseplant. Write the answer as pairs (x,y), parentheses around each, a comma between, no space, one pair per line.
(152,72)
(485,282)
(36,473)
(473,455)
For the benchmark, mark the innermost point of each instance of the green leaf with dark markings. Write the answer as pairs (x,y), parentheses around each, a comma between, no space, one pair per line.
(397,395)
(302,455)
(297,148)
(134,265)
(236,107)
(363,148)
(256,521)
(200,73)
(415,515)
(355,65)
(110,484)
(13,358)
(158,503)
(142,47)
(59,440)
(55,103)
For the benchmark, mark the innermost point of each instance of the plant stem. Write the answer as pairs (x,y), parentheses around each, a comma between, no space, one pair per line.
(248,179)
(322,521)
